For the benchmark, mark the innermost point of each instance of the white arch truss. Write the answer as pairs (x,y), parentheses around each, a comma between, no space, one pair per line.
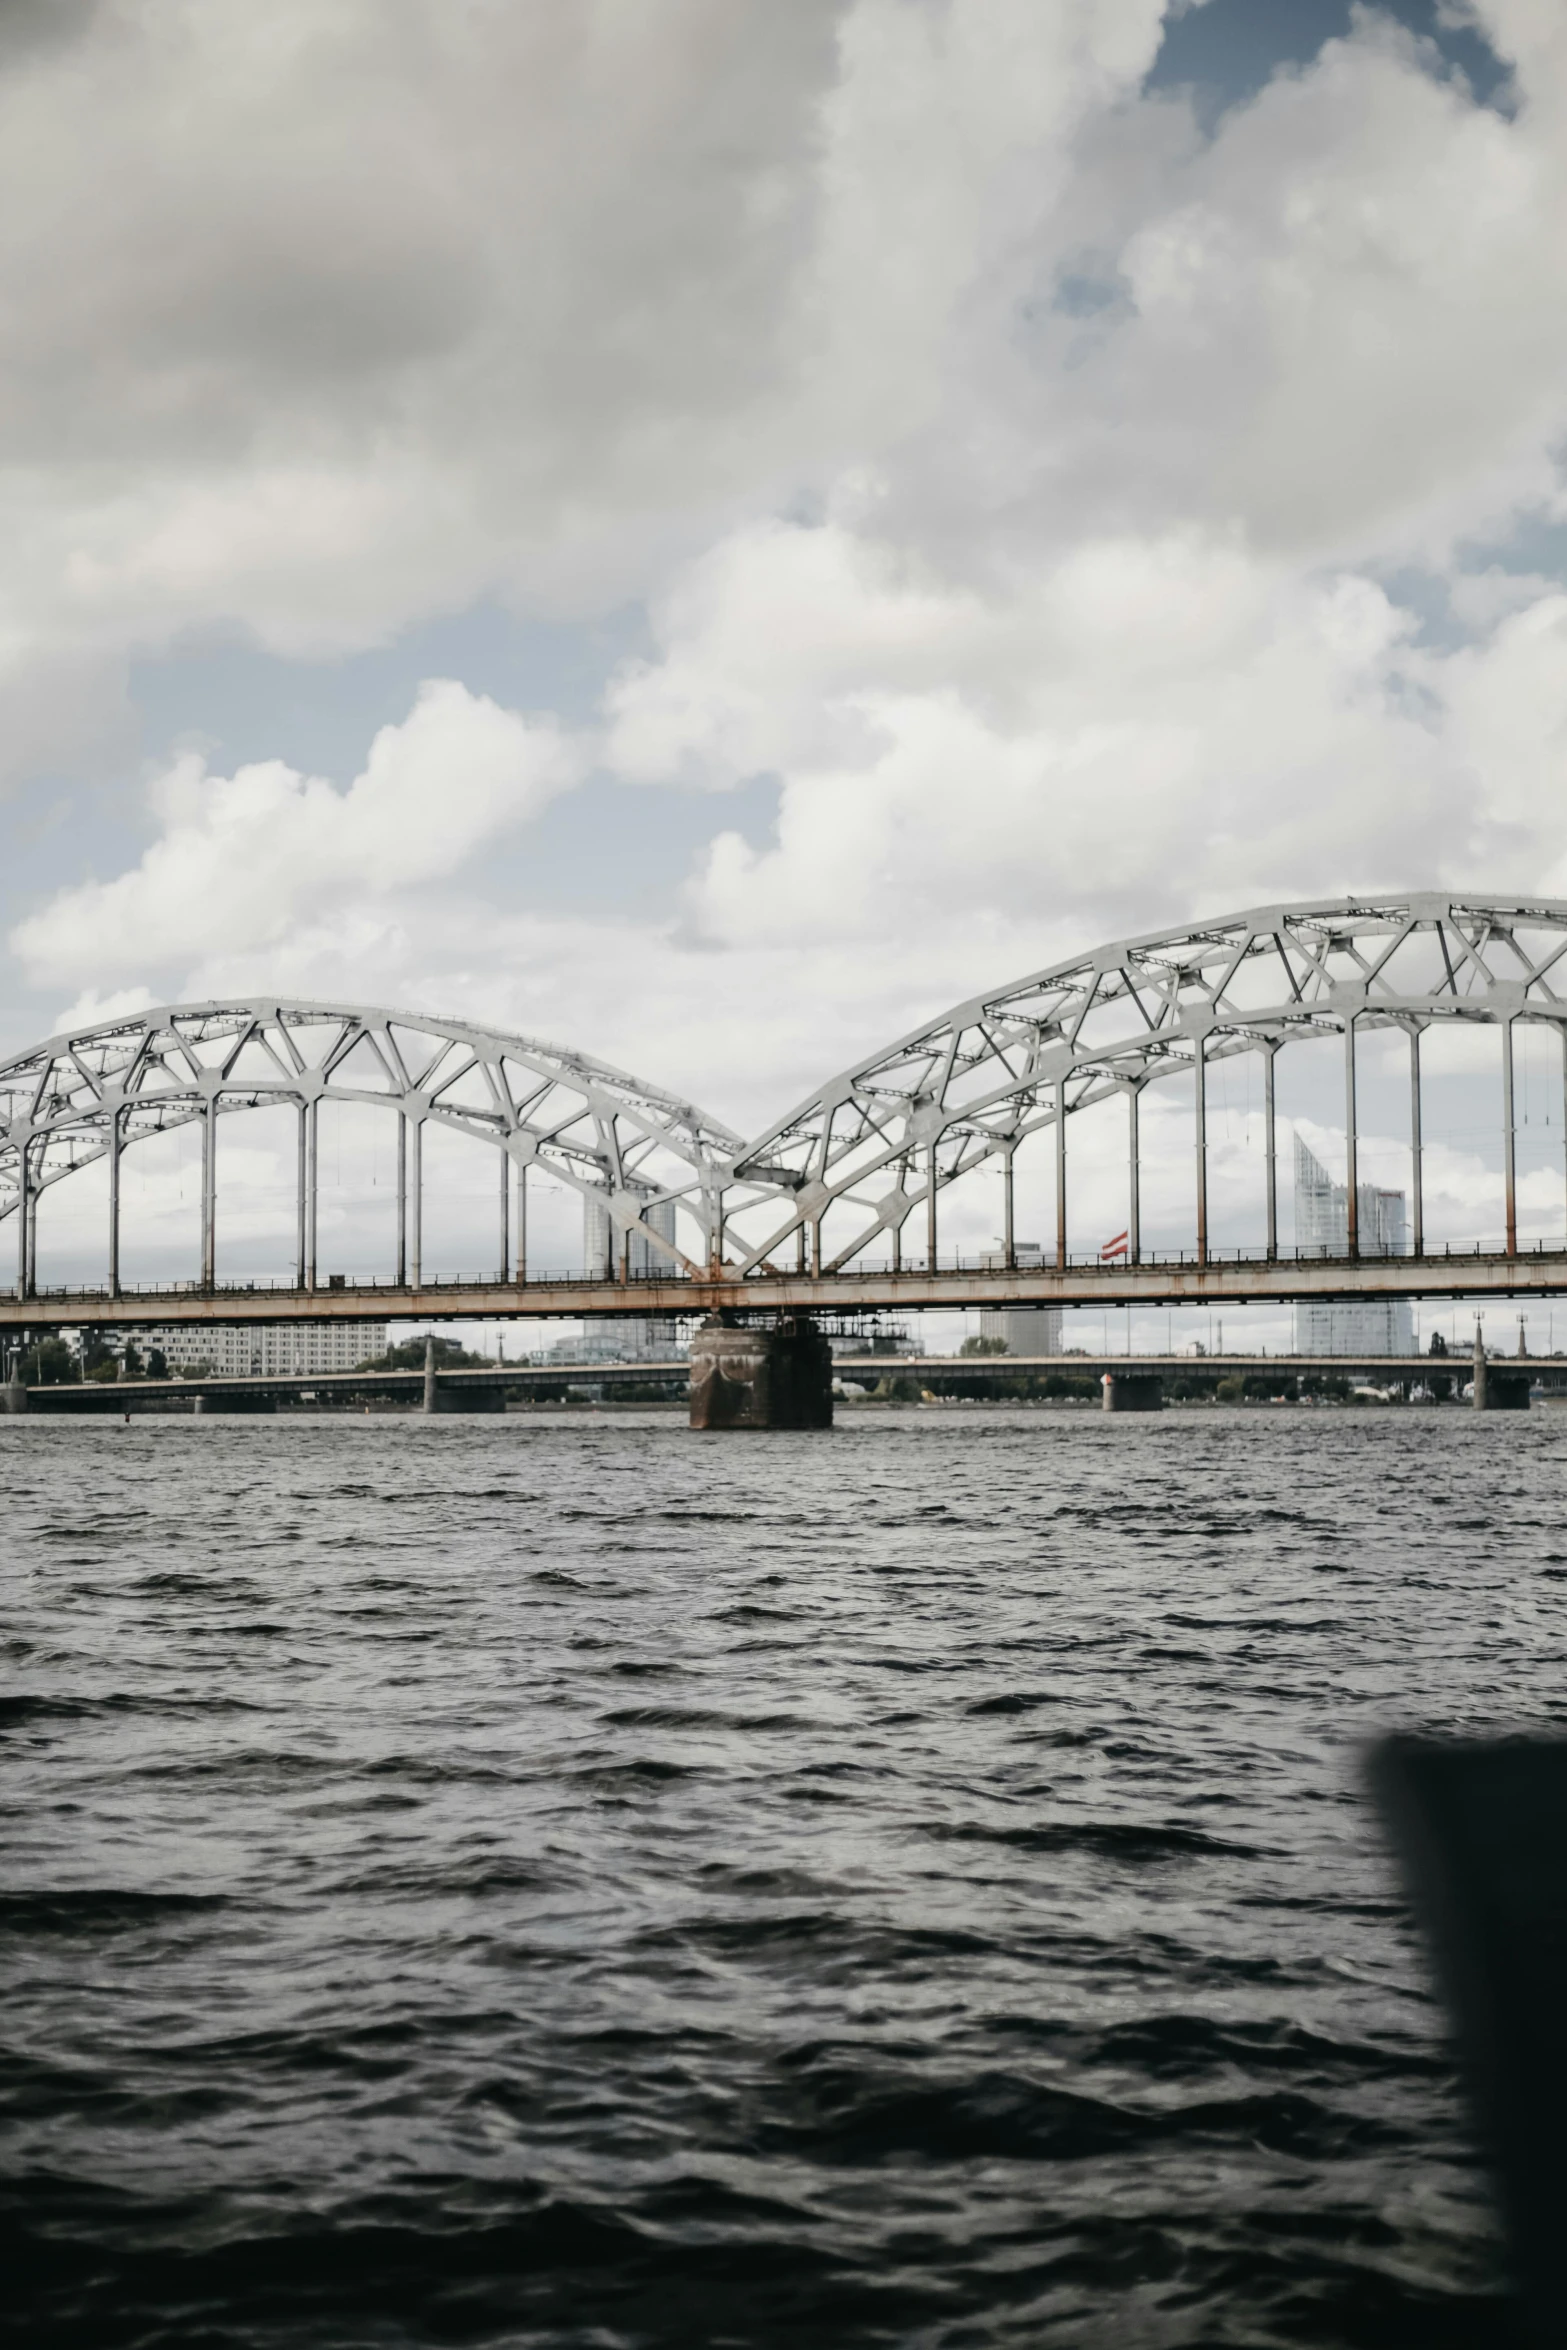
(878,1144)
(95,1093)
(886,1137)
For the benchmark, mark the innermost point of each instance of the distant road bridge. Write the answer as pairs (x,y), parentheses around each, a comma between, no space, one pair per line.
(838,1205)
(488,1387)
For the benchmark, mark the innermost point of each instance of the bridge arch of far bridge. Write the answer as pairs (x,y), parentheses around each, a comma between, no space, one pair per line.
(842,1183)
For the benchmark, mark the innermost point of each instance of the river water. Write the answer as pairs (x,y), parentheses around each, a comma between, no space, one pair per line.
(566,1880)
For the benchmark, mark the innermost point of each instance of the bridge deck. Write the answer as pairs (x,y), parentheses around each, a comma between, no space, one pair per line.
(1185,1281)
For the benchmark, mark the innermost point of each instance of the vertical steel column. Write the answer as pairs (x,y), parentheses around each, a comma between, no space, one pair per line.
(505,1158)
(1008,1224)
(816,1248)
(1509,1139)
(522,1220)
(416,1202)
(1351,1139)
(1200,1096)
(1134,1173)
(799,1245)
(301,1199)
(1061,1173)
(209,1193)
(402,1199)
(32,1236)
(312,1188)
(930,1209)
(114,1203)
(1417,1172)
(22,1219)
(1270,1144)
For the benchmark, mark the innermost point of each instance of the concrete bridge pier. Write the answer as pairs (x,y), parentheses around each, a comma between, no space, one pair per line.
(466,1398)
(13,1396)
(1497,1387)
(1133,1391)
(761,1375)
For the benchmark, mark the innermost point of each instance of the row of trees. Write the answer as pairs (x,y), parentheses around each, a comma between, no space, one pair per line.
(409,1356)
(56,1362)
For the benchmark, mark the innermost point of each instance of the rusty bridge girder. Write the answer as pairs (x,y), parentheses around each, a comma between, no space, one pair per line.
(1538,1273)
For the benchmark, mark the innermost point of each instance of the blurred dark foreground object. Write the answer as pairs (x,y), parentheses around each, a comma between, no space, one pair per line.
(1481,1830)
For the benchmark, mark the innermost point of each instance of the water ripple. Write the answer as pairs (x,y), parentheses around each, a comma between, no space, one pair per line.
(560,1881)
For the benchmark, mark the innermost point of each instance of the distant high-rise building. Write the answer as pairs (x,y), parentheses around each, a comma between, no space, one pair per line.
(626,1338)
(1372,1325)
(645,1258)
(1025,1330)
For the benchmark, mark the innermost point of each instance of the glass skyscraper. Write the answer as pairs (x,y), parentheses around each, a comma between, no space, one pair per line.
(1372,1325)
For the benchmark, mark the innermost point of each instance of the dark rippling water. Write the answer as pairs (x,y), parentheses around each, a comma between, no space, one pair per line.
(572,1881)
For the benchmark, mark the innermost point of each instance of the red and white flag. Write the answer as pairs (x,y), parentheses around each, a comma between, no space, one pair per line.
(1113,1248)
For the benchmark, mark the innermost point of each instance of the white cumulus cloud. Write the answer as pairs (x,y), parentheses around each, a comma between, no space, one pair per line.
(240,859)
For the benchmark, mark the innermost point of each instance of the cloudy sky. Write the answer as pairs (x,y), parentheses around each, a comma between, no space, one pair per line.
(708,530)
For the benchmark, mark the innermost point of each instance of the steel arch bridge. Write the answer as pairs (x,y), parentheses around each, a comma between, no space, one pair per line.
(840,1201)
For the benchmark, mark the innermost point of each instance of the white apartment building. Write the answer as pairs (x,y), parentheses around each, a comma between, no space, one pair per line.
(1372,1325)
(267,1350)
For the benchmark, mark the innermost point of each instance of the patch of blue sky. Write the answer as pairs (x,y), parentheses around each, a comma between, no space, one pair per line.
(59,831)
(236,702)
(1536,545)
(606,847)
(1533,548)
(1225,51)
(621,850)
